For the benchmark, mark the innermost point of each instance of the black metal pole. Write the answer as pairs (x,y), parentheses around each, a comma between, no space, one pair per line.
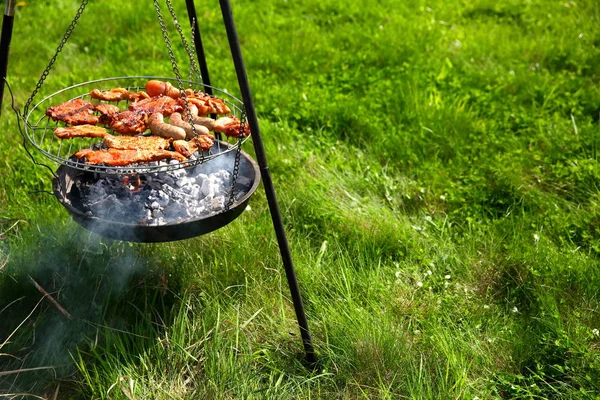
(261,157)
(7,28)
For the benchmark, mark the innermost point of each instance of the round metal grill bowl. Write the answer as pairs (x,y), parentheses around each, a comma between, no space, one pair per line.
(67,194)
(39,128)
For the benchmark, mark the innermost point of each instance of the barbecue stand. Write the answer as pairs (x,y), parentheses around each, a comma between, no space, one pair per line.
(248,111)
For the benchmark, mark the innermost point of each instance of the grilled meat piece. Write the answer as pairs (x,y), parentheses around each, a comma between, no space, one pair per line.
(82,153)
(231,126)
(128,122)
(119,158)
(81,118)
(160,88)
(80,131)
(177,120)
(207,104)
(136,142)
(118,94)
(158,126)
(163,104)
(107,109)
(209,123)
(106,112)
(139,96)
(73,112)
(187,148)
(205,142)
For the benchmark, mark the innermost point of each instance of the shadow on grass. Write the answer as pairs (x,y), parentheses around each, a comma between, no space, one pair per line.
(101,284)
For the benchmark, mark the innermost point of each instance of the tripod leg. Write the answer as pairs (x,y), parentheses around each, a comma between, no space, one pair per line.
(7,28)
(284,247)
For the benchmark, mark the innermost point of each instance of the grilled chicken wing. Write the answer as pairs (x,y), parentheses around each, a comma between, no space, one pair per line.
(184,147)
(205,142)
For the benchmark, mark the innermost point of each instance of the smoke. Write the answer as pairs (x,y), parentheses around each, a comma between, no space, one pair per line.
(87,275)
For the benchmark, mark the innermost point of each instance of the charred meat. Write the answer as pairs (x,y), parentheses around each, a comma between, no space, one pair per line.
(187,148)
(184,148)
(205,142)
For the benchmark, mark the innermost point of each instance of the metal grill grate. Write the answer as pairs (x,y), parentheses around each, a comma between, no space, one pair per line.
(39,128)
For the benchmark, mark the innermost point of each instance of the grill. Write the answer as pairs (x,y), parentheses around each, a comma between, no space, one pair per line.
(69,187)
(39,128)
(138,202)
(74,175)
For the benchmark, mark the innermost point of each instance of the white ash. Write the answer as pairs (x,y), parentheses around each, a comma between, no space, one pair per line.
(195,196)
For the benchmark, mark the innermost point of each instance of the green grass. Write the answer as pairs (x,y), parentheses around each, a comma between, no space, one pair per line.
(437,170)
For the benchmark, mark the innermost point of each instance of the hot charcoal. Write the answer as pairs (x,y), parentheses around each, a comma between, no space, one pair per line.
(161,198)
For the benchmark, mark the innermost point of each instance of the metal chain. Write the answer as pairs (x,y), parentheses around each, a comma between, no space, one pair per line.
(193,46)
(194,68)
(236,165)
(167,41)
(53,59)
(193,65)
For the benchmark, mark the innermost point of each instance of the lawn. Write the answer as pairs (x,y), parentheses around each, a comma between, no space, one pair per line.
(437,170)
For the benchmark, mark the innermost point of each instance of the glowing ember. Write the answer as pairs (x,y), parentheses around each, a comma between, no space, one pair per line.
(133,183)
